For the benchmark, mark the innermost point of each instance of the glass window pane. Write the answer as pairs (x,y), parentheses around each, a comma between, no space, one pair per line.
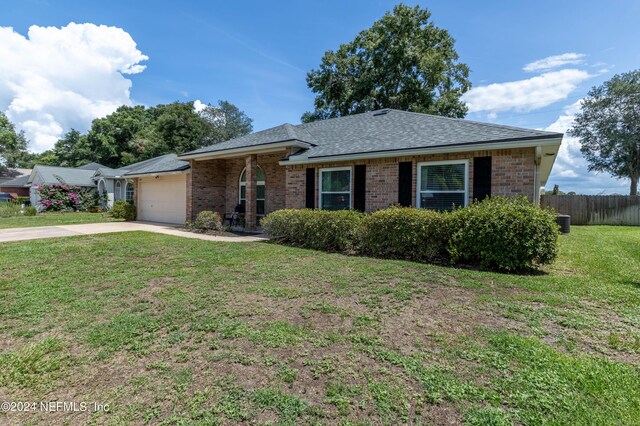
(243,192)
(243,176)
(441,200)
(336,201)
(260,206)
(442,177)
(260,192)
(260,175)
(336,181)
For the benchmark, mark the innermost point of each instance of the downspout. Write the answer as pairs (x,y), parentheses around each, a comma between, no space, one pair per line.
(536,176)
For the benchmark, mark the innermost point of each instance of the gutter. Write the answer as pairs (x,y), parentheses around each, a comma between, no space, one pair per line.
(253,149)
(468,147)
(138,175)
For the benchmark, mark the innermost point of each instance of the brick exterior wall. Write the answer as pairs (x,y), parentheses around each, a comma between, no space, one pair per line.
(215,184)
(513,172)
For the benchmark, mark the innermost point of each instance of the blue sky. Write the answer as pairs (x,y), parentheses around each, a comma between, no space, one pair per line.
(256,55)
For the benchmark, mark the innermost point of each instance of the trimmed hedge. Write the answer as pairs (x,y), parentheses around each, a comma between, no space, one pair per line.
(314,229)
(501,233)
(405,233)
(504,233)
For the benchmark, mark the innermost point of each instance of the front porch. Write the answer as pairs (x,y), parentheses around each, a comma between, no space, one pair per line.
(249,186)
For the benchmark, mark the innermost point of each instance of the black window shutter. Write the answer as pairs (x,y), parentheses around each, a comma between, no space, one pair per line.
(481,178)
(359,187)
(311,188)
(405,171)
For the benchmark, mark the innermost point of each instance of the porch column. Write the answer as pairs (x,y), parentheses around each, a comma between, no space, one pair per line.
(252,187)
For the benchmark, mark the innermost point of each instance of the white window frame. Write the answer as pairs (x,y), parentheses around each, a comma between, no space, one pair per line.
(126,192)
(118,190)
(335,169)
(438,163)
(259,182)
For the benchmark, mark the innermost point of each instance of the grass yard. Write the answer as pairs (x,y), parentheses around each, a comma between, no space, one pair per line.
(179,331)
(53,219)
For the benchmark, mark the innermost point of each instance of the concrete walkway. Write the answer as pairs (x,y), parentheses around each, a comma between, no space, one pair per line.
(22,234)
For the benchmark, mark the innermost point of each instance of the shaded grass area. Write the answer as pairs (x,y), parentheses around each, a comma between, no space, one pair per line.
(180,331)
(53,219)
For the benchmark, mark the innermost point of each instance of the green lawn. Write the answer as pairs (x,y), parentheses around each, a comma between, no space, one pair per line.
(181,331)
(53,219)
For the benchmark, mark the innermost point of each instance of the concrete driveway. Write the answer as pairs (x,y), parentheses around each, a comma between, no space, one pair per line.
(35,233)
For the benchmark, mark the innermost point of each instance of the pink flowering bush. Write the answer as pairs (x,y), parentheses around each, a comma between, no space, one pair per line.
(61,197)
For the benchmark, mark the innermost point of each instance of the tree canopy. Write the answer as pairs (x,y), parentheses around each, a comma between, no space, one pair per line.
(13,145)
(131,134)
(403,61)
(608,127)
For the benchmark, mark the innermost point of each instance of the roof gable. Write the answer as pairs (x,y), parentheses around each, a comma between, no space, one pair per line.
(54,175)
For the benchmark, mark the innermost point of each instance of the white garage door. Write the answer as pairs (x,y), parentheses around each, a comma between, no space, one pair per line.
(163,199)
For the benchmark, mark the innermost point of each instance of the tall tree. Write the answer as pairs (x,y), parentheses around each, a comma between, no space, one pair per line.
(226,122)
(13,145)
(72,150)
(403,61)
(608,127)
(112,138)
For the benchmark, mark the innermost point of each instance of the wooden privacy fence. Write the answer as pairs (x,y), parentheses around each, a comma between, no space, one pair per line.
(596,209)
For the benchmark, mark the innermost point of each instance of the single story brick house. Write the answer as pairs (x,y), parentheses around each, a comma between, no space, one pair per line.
(367,162)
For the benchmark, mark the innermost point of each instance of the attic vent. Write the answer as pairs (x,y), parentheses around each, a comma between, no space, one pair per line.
(380,112)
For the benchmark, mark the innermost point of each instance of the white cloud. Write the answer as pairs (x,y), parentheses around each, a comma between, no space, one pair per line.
(555,61)
(198,106)
(525,95)
(570,170)
(58,78)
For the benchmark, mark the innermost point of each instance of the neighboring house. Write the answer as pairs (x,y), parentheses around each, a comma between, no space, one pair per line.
(53,175)
(366,162)
(14,182)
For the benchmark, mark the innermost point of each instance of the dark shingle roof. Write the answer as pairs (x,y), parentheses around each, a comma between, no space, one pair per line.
(17,182)
(50,175)
(282,133)
(162,164)
(90,166)
(379,131)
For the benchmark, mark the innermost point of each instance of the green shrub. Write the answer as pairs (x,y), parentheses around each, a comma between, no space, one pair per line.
(10,209)
(123,210)
(405,233)
(22,200)
(314,229)
(504,233)
(30,211)
(207,221)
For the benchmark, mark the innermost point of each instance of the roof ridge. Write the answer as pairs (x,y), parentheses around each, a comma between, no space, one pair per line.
(465,120)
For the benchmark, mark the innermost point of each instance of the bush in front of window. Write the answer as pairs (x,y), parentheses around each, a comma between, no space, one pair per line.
(123,210)
(405,233)
(315,229)
(504,233)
